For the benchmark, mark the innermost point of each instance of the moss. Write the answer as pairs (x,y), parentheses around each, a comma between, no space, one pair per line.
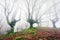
(29,30)
(20,38)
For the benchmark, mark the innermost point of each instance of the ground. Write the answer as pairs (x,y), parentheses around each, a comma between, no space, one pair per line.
(41,33)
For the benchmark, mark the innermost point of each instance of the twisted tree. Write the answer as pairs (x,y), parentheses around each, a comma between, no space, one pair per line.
(33,12)
(8,11)
(54,20)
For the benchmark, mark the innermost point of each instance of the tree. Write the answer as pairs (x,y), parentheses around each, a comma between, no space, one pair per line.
(30,13)
(54,20)
(7,12)
(34,11)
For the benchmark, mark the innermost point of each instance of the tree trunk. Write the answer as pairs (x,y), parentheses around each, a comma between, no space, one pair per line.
(12,29)
(38,24)
(54,25)
(31,25)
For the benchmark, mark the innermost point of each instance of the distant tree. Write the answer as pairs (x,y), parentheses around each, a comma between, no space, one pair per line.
(56,19)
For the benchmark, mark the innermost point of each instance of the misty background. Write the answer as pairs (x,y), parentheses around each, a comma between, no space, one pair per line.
(19,11)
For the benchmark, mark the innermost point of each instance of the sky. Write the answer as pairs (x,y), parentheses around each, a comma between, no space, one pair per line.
(20,7)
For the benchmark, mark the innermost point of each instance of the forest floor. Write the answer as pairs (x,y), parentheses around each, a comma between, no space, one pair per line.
(43,33)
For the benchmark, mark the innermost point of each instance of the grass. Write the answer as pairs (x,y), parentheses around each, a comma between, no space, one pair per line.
(29,30)
(29,33)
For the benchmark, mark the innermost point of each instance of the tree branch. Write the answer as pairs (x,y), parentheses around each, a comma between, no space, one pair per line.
(11,8)
(33,8)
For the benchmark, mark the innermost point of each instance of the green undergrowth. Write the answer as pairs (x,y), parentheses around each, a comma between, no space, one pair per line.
(29,30)
(25,31)
(7,35)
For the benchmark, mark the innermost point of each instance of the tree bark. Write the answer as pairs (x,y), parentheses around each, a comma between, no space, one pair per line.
(31,25)
(54,24)
(12,26)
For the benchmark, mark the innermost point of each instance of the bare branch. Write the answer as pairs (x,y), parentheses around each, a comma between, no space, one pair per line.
(38,13)
(14,14)
(28,8)
(11,8)
(6,10)
(34,5)
(19,16)
(56,17)
(48,10)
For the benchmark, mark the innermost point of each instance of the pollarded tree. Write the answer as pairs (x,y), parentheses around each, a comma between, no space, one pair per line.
(33,11)
(8,11)
(55,19)
(30,19)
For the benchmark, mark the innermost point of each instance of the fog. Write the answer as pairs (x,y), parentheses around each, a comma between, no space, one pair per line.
(20,7)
